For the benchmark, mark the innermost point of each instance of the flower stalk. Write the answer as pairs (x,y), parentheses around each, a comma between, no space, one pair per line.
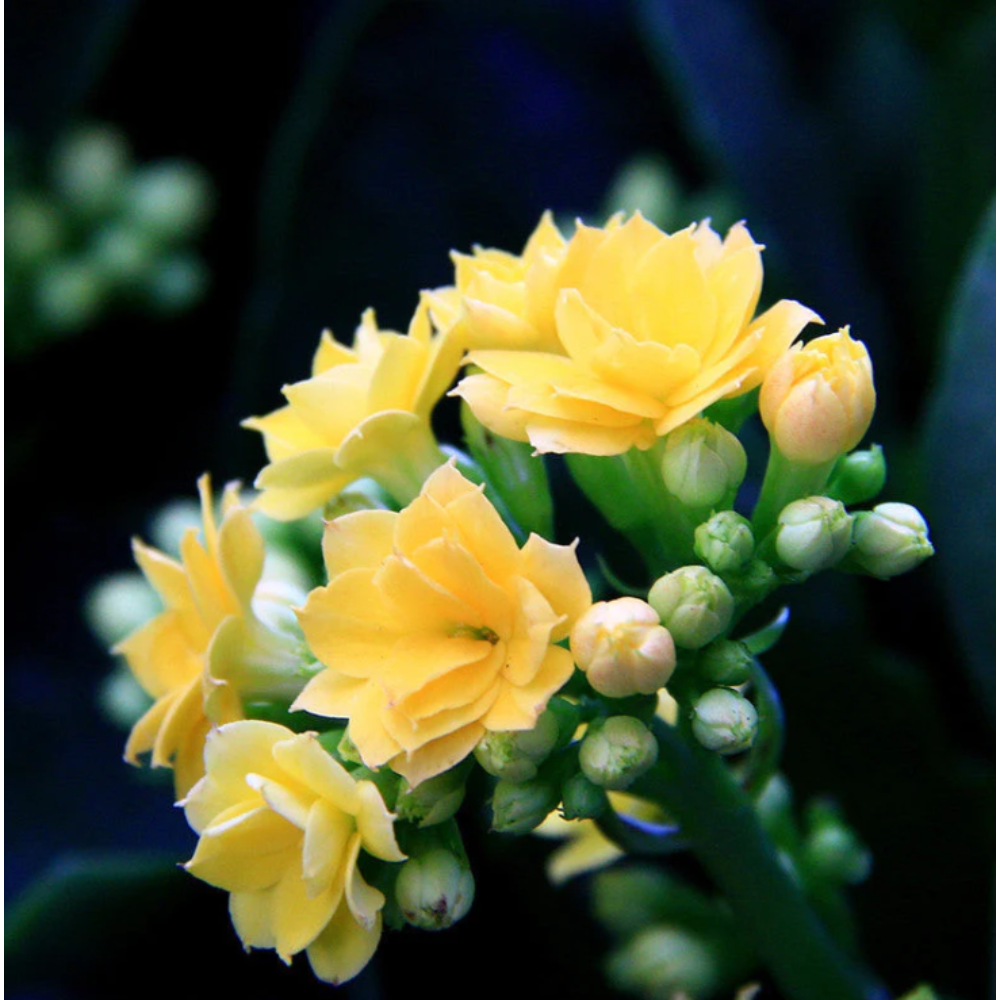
(722,828)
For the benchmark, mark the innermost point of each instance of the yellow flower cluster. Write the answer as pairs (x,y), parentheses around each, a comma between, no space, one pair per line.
(364,412)
(436,628)
(282,826)
(618,337)
(207,646)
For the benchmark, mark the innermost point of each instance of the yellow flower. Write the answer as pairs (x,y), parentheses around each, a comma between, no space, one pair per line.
(281,826)
(436,628)
(206,647)
(499,300)
(652,329)
(819,398)
(364,412)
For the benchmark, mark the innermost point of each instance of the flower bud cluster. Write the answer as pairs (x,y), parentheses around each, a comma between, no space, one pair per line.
(101,234)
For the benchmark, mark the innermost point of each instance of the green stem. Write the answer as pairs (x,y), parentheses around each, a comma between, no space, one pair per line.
(785,481)
(724,832)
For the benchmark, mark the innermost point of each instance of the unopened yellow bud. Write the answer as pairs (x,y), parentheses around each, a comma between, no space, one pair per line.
(819,398)
(622,648)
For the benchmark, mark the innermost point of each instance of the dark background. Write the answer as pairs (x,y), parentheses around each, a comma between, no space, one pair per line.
(351,146)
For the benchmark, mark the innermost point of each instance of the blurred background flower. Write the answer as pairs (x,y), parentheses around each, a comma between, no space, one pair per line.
(350,145)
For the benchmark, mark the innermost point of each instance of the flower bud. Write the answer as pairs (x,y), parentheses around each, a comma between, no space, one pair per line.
(518,807)
(434,890)
(724,721)
(813,534)
(89,167)
(858,477)
(725,542)
(69,295)
(890,539)
(170,199)
(818,399)
(622,648)
(725,662)
(433,801)
(175,282)
(515,756)
(832,849)
(703,463)
(582,799)
(667,960)
(614,754)
(694,604)
(118,605)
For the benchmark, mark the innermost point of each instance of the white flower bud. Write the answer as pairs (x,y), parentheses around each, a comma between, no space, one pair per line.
(515,756)
(891,539)
(622,648)
(813,534)
(724,721)
(435,890)
(703,463)
(619,751)
(694,604)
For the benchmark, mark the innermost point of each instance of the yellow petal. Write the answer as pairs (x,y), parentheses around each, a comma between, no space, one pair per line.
(252,916)
(417,602)
(375,824)
(324,847)
(241,553)
(305,760)
(331,404)
(438,755)
(343,948)
(457,687)
(143,734)
(487,398)
(331,353)
(249,855)
(549,436)
(362,900)
(368,729)
(165,575)
(361,539)
(419,659)
(396,381)
(285,433)
(586,852)
(556,572)
(331,694)
(286,799)
(298,918)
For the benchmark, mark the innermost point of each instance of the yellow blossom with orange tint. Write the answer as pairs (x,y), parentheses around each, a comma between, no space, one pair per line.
(819,398)
(282,825)
(207,646)
(503,300)
(435,628)
(364,412)
(652,329)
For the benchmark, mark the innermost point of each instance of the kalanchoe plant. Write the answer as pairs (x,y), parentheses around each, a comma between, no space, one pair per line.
(322,751)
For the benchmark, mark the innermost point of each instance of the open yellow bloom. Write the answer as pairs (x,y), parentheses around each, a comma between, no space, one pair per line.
(282,825)
(819,398)
(652,329)
(364,412)
(500,300)
(206,647)
(436,628)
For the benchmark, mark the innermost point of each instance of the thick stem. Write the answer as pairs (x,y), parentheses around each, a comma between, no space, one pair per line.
(721,826)
(785,481)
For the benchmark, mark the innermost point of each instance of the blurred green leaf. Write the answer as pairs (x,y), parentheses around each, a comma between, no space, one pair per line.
(960,454)
(85,909)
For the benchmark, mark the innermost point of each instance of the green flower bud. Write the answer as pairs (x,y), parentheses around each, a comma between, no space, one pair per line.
(724,721)
(582,799)
(434,890)
(703,464)
(122,699)
(667,961)
(119,604)
(694,604)
(121,255)
(515,756)
(891,539)
(69,295)
(725,542)
(435,800)
(170,199)
(813,534)
(622,648)
(519,806)
(614,754)
(857,477)
(832,849)
(89,167)
(175,283)
(33,231)
(726,662)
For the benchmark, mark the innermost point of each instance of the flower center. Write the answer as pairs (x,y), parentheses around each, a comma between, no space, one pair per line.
(473,632)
